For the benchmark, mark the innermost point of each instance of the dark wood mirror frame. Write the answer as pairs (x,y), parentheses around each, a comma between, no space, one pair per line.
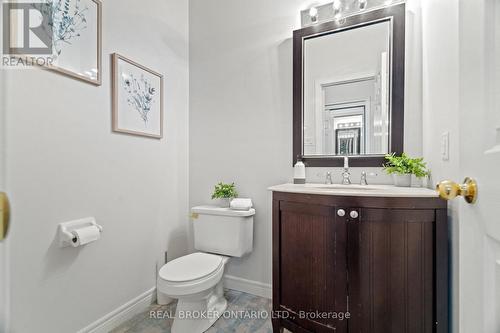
(396,14)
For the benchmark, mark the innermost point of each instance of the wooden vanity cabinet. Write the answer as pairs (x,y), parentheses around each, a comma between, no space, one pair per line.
(386,266)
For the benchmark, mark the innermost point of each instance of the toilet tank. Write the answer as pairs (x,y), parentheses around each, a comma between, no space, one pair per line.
(222,230)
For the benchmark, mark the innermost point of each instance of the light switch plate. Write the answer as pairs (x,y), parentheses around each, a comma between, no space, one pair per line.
(445,146)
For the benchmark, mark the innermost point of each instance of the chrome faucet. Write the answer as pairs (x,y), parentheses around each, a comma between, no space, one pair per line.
(346,175)
(328,179)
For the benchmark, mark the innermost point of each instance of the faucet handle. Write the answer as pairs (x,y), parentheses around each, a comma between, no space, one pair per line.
(363,180)
(328,179)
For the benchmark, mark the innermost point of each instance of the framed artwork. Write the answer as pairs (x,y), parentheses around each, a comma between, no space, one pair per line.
(137,99)
(77,39)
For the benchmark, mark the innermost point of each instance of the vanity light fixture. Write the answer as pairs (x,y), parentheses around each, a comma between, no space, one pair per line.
(340,10)
(313,13)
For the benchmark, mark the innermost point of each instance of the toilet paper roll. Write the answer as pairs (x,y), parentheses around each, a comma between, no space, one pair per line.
(85,235)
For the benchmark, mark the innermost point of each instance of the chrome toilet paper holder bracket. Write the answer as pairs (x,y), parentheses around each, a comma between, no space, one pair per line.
(65,229)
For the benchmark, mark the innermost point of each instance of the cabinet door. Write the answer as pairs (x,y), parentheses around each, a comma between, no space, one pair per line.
(390,268)
(313,272)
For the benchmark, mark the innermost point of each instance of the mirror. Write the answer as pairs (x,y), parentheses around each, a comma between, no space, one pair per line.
(346,92)
(351,95)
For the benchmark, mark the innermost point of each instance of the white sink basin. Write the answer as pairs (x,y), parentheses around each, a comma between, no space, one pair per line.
(356,190)
(346,187)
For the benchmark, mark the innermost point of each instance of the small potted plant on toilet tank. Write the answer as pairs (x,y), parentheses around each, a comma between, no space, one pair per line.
(224,193)
(403,167)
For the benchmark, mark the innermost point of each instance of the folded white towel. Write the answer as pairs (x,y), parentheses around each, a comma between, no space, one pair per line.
(241,204)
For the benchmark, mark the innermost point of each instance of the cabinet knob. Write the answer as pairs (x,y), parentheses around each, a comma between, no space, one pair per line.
(341,212)
(354,214)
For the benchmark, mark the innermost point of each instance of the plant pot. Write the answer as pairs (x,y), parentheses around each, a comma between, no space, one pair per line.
(402,180)
(224,202)
(417,182)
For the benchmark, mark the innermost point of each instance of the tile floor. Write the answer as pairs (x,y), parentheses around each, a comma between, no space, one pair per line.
(237,301)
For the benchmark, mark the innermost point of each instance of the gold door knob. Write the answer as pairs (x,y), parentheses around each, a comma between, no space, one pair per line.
(449,190)
(4,215)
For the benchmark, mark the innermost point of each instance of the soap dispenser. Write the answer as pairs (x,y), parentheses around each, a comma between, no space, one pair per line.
(299,172)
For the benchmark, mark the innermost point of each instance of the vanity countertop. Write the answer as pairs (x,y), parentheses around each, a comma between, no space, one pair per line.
(357,190)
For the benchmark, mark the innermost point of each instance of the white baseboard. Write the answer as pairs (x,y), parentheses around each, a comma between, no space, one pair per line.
(125,312)
(248,286)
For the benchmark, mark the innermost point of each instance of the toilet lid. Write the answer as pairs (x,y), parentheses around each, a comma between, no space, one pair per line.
(191,267)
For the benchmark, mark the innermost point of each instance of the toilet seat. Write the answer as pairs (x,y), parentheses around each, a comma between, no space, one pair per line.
(191,267)
(191,274)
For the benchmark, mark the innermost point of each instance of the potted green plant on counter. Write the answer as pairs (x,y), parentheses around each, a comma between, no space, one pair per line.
(403,167)
(224,193)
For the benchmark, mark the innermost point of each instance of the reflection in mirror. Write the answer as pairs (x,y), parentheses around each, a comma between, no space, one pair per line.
(347,92)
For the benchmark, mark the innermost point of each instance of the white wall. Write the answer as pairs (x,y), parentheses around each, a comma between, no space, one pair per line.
(440,39)
(63,163)
(241,108)
(440,82)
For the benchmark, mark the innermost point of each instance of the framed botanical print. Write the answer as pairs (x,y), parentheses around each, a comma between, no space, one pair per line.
(77,37)
(137,98)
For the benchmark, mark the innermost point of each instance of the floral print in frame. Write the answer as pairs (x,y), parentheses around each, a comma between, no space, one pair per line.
(76,38)
(137,99)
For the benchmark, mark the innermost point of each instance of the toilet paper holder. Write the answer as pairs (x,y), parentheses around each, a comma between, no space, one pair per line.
(65,229)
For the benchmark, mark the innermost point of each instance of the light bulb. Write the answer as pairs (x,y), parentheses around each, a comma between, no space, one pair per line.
(313,13)
(337,4)
(362,4)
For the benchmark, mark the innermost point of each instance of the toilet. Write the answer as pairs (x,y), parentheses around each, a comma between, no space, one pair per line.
(196,279)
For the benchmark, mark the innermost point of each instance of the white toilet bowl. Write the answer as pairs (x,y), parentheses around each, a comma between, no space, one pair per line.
(196,281)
